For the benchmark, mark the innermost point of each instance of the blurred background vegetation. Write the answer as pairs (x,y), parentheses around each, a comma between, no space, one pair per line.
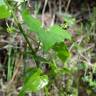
(70,74)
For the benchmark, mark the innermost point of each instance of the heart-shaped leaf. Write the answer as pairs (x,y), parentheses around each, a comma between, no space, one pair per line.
(61,51)
(34,83)
(48,37)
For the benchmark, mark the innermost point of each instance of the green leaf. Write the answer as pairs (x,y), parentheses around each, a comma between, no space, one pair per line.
(48,37)
(53,35)
(4,11)
(34,83)
(33,23)
(62,51)
(31,71)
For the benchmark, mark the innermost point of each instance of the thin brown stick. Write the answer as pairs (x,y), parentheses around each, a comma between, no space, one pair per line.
(43,11)
(68,4)
(17,67)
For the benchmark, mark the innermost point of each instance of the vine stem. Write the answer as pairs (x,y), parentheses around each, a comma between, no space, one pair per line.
(23,33)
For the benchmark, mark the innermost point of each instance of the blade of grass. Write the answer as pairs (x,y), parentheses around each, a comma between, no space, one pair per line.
(10,65)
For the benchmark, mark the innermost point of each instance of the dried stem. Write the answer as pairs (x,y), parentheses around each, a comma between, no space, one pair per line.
(43,11)
(68,4)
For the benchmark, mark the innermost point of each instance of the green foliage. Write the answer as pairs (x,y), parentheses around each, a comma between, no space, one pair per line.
(62,51)
(69,20)
(4,11)
(33,23)
(53,38)
(82,66)
(34,81)
(48,37)
(90,81)
(93,16)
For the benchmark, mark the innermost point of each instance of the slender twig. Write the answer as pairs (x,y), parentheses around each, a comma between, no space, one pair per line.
(53,19)
(27,40)
(60,7)
(18,63)
(43,11)
(68,4)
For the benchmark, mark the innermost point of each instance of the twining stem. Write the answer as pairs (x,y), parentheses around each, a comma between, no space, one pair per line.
(26,38)
(23,33)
